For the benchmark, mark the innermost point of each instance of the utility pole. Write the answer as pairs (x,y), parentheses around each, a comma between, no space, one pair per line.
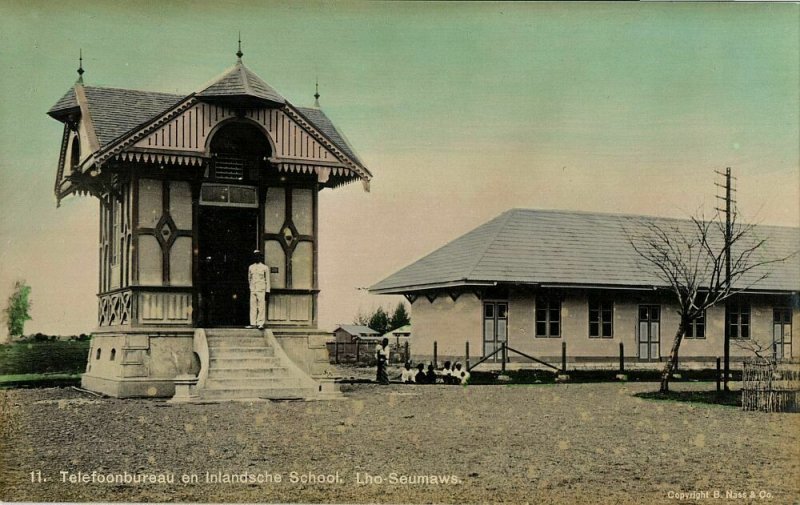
(728,238)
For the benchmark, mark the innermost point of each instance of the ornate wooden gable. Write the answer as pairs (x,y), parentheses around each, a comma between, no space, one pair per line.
(107,125)
(181,136)
(78,143)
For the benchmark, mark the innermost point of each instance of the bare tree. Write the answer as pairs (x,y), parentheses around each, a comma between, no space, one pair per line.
(689,258)
(764,352)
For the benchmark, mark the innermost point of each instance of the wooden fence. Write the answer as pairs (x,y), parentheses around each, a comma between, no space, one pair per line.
(769,386)
(363,353)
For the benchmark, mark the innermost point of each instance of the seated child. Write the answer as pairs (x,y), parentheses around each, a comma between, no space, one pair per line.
(431,375)
(461,375)
(447,373)
(420,377)
(407,377)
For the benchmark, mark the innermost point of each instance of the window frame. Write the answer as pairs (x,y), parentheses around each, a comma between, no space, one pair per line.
(548,304)
(694,324)
(602,307)
(738,308)
(785,321)
(115,231)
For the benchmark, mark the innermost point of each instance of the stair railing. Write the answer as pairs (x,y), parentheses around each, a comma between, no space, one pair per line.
(200,346)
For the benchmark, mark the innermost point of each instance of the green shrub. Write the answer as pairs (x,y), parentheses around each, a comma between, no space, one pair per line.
(59,356)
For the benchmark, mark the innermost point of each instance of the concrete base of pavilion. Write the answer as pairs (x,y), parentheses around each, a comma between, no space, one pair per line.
(219,364)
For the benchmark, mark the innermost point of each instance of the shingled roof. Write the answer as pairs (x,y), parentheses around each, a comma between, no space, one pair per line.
(325,125)
(239,81)
(64,104)
(525,246)
(357,330)
(117,111)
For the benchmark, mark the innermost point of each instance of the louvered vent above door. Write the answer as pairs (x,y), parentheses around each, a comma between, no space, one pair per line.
(229,168)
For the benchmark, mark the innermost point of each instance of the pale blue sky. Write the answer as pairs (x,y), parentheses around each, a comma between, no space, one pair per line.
(460,110)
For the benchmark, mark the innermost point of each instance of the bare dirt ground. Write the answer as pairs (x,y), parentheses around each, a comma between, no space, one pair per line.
(566,443)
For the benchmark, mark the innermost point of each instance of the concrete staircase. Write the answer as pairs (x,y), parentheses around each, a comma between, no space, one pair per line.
(244,364)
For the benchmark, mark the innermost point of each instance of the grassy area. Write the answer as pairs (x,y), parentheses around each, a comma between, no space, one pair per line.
(59,356)
(39,380)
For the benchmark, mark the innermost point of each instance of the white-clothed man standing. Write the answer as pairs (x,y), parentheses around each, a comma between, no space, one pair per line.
(258,278)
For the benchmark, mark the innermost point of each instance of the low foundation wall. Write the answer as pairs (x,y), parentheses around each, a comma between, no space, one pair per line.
(138,363)
(308,350)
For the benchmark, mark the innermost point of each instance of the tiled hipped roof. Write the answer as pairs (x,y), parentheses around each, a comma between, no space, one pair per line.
(570,248)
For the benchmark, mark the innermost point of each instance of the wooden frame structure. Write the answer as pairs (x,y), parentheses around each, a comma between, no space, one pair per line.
(165,183)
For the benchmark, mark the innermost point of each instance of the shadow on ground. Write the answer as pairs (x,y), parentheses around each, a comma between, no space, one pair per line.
(724,398)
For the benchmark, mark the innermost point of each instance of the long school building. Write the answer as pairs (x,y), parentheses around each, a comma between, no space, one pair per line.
(541,279)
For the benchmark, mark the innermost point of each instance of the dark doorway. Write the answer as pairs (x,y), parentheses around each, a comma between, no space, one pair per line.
(227,238)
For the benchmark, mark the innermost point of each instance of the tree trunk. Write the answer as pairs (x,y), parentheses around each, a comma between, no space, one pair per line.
(671,364)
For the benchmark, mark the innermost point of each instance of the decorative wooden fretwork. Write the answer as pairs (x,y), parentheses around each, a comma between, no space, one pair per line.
(172,159)
(322,172)
(120,144)
(114,309)
(180,136)
(190,129)
(61,160)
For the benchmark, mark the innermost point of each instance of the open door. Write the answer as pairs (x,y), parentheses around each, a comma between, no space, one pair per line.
(227,238)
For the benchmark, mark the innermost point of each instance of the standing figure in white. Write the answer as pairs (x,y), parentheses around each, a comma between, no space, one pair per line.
(258,278)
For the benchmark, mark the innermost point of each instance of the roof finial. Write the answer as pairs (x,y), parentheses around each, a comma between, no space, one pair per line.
(80,66)
(239,53)
(316,94)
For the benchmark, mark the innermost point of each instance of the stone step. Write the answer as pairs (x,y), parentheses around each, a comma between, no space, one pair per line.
(264,382)
(237,342)
(258,393)
(228,360)
(244,366)
(285,332)
(233,333)
(250,373)
(243,352)
(228,341)
(242,362)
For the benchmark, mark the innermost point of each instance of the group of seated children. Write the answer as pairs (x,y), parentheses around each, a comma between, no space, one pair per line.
(410,376)
(455,375)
